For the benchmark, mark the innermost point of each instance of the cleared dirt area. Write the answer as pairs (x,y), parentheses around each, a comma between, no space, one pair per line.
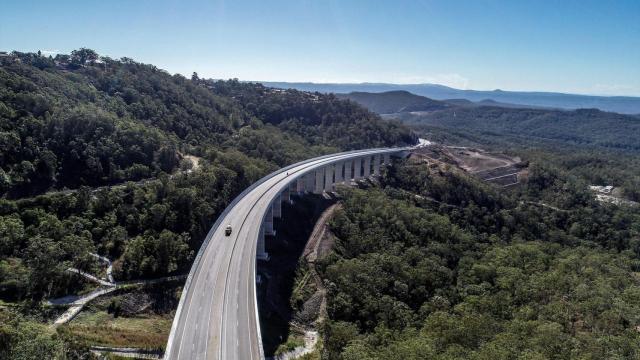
(320,241)
(496,168)
(477,160)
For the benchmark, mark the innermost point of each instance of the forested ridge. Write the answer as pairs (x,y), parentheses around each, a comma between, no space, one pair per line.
(596,165)
(97,126)
(582,127)
(433,264)
(89,120)
(430,263)
(81,121)
(394,102)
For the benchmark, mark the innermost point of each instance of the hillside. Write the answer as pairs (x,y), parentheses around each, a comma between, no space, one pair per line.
(85,120)
(394,102)
(585,127)
(619,104)
(433,264)
(83,123)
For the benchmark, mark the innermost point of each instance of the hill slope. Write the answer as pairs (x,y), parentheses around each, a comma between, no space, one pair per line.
(94,125)
(394,102)
(588,127)
(72,121)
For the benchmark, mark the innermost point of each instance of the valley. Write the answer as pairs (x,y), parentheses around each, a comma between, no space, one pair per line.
(416,251)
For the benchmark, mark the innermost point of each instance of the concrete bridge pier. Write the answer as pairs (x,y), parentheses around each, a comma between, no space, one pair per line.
(376,165)
(387,159)
(367,166)
(309,182)
(348,165)
(357,169)
(328,177)
(339,169)
(319,184)
(261,252)
(288,191)
(300,188)
(268,222)
(276,206)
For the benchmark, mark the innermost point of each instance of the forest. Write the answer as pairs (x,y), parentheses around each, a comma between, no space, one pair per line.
(429,263)
(582,127)
(593,164)
(93,159)
(435,264)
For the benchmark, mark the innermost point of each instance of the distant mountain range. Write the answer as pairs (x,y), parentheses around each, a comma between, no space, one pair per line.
(619,104)
(400,101)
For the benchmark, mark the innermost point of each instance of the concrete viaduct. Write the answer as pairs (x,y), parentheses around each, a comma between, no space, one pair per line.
(217,317)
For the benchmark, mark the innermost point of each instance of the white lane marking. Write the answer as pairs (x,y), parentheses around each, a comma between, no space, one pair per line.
(215,282)
(249,280)
(203,263)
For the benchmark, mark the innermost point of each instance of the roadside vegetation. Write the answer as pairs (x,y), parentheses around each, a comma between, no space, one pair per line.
(491,277)
(101,328)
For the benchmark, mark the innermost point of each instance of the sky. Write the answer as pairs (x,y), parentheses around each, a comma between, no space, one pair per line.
(586,47)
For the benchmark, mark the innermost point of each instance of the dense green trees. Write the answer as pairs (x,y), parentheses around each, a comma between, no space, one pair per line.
(582,127)
(79,122)
(441,266)
(92,159)
(605,154)
(82,121)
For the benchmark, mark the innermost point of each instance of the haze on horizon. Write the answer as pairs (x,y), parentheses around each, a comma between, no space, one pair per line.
(585,47)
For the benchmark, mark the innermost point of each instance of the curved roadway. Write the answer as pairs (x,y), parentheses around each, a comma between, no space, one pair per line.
(217,317)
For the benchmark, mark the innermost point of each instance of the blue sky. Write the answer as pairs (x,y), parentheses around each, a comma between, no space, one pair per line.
(590,47)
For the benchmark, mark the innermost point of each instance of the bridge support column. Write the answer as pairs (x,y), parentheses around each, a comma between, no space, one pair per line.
(286,193)
(357,169)
(310,182)
(319,184)
(376,165)
(268,223)
(277,206)
(347,171)
(367,166)
(300,184)
(328,177)
(261,252)
(387,159)
(339,167)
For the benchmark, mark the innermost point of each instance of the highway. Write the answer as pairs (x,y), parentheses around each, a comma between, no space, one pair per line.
(217,317)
